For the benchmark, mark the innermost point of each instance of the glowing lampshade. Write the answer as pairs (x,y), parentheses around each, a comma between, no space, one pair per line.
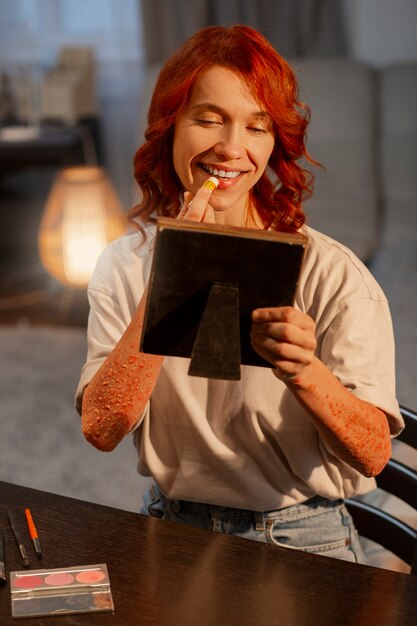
(81,216)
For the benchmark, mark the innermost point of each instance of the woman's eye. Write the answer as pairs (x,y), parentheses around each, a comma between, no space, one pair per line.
(207,122)
(256,130)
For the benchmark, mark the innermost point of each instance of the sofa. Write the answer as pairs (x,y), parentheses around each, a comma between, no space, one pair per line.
(364,131)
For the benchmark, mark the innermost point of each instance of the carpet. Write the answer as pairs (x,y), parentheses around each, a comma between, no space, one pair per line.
(41,444)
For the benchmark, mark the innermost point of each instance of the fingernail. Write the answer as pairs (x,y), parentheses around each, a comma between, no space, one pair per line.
(211,184)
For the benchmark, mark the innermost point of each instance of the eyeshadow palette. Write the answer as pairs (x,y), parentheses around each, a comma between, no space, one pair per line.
(81,589)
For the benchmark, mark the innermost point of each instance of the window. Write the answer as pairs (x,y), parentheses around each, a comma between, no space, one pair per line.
(31,31)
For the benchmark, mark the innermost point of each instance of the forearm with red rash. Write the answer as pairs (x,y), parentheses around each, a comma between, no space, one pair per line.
(118,392)
(115,399)
(357,431)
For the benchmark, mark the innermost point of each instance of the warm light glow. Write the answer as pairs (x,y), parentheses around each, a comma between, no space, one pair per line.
(81,216)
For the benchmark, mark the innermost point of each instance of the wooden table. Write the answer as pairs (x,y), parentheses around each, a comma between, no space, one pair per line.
(162,573)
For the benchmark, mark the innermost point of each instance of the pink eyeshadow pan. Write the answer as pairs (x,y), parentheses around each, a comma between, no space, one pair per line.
(90,576)
(28,582)
(59,579)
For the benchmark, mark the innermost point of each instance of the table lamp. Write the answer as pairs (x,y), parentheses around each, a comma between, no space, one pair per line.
(81,216)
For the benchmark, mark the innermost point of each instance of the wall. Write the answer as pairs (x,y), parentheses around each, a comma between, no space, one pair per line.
(380,32)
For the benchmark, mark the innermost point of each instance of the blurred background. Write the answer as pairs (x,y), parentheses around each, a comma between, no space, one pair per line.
(76,79)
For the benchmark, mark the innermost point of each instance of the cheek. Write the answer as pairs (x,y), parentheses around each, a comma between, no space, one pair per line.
(179,149)
(177,153)
(260,151)
(197,143)
(261,157)
(269,148)
(186,148)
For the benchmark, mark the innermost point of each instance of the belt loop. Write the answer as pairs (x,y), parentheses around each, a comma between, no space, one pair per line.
(216,521)
(259,521)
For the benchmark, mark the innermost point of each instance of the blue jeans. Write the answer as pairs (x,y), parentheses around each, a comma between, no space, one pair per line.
(318,525)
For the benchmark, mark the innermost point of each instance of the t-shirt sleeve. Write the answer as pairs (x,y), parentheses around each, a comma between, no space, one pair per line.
(358,347)
(105,327)
(113,294)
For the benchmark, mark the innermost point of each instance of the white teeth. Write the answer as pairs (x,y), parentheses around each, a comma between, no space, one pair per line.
(221,173)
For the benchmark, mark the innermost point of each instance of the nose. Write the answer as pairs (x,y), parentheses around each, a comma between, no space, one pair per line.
(230,145)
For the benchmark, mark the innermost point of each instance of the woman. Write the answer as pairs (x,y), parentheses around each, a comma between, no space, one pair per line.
(272,456)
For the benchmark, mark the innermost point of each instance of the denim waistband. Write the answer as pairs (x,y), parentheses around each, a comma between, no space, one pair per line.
(309,507)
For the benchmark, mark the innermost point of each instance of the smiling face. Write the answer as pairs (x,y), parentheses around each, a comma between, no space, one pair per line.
(223,132)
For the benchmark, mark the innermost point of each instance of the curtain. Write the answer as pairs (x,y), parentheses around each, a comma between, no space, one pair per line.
(294,27)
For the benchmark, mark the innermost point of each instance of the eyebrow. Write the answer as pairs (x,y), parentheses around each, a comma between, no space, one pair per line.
(217,109)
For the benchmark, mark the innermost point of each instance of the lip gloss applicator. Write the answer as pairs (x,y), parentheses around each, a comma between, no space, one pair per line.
(211,183)
(33,533)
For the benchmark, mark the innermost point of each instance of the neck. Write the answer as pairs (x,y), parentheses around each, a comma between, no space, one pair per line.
(248,218)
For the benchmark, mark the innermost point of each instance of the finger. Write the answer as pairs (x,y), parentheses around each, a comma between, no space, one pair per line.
(187,200)
(284,314)
(196,209)
(285,370)
(209,216)
(285,333)
(280,351)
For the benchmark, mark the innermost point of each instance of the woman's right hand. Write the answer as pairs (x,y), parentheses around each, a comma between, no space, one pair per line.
(197,208)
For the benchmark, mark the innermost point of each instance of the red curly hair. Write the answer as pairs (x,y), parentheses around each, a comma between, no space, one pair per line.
(278,194)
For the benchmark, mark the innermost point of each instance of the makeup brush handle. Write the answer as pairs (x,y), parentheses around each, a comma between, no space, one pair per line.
(3,578)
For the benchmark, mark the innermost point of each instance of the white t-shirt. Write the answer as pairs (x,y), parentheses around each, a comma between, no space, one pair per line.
(249,443)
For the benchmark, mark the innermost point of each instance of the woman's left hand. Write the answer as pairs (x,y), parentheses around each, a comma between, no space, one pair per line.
(355,430)
(286,338)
